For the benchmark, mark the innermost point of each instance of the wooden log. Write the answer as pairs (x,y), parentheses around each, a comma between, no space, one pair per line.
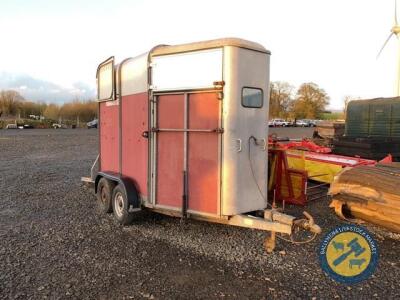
(371,193)
(380,216)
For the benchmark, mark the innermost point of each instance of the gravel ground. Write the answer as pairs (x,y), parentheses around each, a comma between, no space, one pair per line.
(55,242)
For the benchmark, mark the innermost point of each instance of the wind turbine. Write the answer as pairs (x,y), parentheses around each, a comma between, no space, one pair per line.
(395,31)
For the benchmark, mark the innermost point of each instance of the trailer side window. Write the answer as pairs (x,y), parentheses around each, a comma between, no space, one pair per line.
(105,80)
(252,97)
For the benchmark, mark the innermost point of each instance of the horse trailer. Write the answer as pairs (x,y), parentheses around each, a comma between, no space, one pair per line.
(183,132)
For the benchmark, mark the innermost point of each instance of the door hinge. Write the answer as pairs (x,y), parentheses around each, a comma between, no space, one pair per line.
(219,84)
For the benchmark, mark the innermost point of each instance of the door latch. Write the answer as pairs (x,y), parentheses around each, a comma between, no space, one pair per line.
(239,141)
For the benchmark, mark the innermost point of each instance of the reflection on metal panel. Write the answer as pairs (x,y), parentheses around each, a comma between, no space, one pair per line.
(197,69)
(134,75)
(105,81)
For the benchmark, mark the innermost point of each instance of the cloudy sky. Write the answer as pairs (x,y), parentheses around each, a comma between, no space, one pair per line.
(51,48)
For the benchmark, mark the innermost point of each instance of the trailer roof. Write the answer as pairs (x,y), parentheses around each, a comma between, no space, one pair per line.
(164,49)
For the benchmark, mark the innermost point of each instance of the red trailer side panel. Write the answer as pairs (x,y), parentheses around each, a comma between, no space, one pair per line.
(203,153)
(169,187)
(109,136)
(134,145)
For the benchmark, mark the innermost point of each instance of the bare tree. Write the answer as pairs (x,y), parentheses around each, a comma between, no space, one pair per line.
(13,104)
(10,102)
(52,112)
(346,100)
(281,98)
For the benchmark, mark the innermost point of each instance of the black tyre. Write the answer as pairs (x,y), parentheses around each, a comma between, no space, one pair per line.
(104,194)
(120,206)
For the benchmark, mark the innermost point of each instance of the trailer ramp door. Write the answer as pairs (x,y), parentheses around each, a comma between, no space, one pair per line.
(187,146)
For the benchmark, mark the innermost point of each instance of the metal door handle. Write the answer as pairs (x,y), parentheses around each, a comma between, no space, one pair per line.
(240,145)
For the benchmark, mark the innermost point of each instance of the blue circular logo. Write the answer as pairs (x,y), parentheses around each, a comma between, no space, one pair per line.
(348,254)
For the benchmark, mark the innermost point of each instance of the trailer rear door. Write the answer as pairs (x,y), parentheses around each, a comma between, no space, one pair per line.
(187,154)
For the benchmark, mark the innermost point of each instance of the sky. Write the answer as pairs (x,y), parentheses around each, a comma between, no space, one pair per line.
(53,47)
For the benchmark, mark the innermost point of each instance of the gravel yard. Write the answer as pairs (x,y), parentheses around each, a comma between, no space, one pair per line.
(55,243)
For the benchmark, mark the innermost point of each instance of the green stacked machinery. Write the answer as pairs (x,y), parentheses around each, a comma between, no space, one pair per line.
(372,129)
(373,118)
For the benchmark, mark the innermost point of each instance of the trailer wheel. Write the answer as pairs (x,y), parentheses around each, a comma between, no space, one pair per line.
(120,206)
(104,194)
